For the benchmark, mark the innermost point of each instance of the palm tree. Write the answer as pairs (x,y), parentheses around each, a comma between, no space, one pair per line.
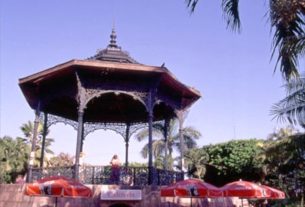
(292,107)
(287,22)
(27,129)
(159,145)
(196,161)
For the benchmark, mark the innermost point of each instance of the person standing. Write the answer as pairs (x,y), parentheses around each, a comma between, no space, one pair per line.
(115,169)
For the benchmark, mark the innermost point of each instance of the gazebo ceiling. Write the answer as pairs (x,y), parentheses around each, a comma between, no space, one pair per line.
(119,81)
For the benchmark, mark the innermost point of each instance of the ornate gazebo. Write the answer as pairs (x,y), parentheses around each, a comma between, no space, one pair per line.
(107,91)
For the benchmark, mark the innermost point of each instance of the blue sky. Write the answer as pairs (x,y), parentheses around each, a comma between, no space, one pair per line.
(232,71)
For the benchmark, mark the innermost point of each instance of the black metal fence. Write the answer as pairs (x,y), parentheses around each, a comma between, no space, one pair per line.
(128,176)
(38,173)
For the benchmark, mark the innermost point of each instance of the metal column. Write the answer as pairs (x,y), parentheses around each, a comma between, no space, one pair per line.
(44,135)
(78,143)
(33,148)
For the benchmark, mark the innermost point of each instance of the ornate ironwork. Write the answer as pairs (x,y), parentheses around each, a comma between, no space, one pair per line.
(134,128)
(52,119)
(97,92)
(39,173)
(165,177)
(90,127)
(81,93)
(129,176)
(95,174)
(119,128)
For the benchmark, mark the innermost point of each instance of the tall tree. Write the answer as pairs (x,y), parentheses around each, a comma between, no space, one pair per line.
(287,23)
(27,129)
(190,135)
(196,161)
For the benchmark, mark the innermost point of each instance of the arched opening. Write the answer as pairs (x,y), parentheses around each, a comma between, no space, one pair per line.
(63,135)
(98,147)
(120,205)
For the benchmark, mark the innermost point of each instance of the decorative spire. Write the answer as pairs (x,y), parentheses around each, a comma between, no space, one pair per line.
(112,43)
(113,52)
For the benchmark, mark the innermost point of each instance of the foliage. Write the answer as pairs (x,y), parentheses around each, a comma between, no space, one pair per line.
(287,22)
(137,164)
(285,160)
(233,160)
(27,129)
(61,160)
(282,133)
(196,160)
(190,135)
(159,162)
(14,154)
(278,162)
(292,107)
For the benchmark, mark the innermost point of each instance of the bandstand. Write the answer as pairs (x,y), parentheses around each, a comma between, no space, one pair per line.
(109,90)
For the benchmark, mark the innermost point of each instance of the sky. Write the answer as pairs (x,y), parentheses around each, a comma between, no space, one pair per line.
(232,71)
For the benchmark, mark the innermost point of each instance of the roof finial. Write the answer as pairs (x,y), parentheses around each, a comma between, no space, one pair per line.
(113,52)
(112,43)
(113,24)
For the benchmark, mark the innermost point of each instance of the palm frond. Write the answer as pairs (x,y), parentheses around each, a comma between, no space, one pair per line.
(230,9)
(287,19)
(143,134)
(157,149)
(49,151)
(144,151)
(292,107)
(173,127)
(158,127)
(189,143)
(298,45)
(27,129)
(190,135)
(231,14)
(191,132)
(191,4)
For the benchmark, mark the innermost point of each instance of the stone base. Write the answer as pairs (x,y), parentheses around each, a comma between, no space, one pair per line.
(11,195)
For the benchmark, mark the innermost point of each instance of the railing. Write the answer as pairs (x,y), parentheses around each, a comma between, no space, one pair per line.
(38,173)
(125,176)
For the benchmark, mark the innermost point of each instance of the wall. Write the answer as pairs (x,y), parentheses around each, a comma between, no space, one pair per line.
(11,195)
